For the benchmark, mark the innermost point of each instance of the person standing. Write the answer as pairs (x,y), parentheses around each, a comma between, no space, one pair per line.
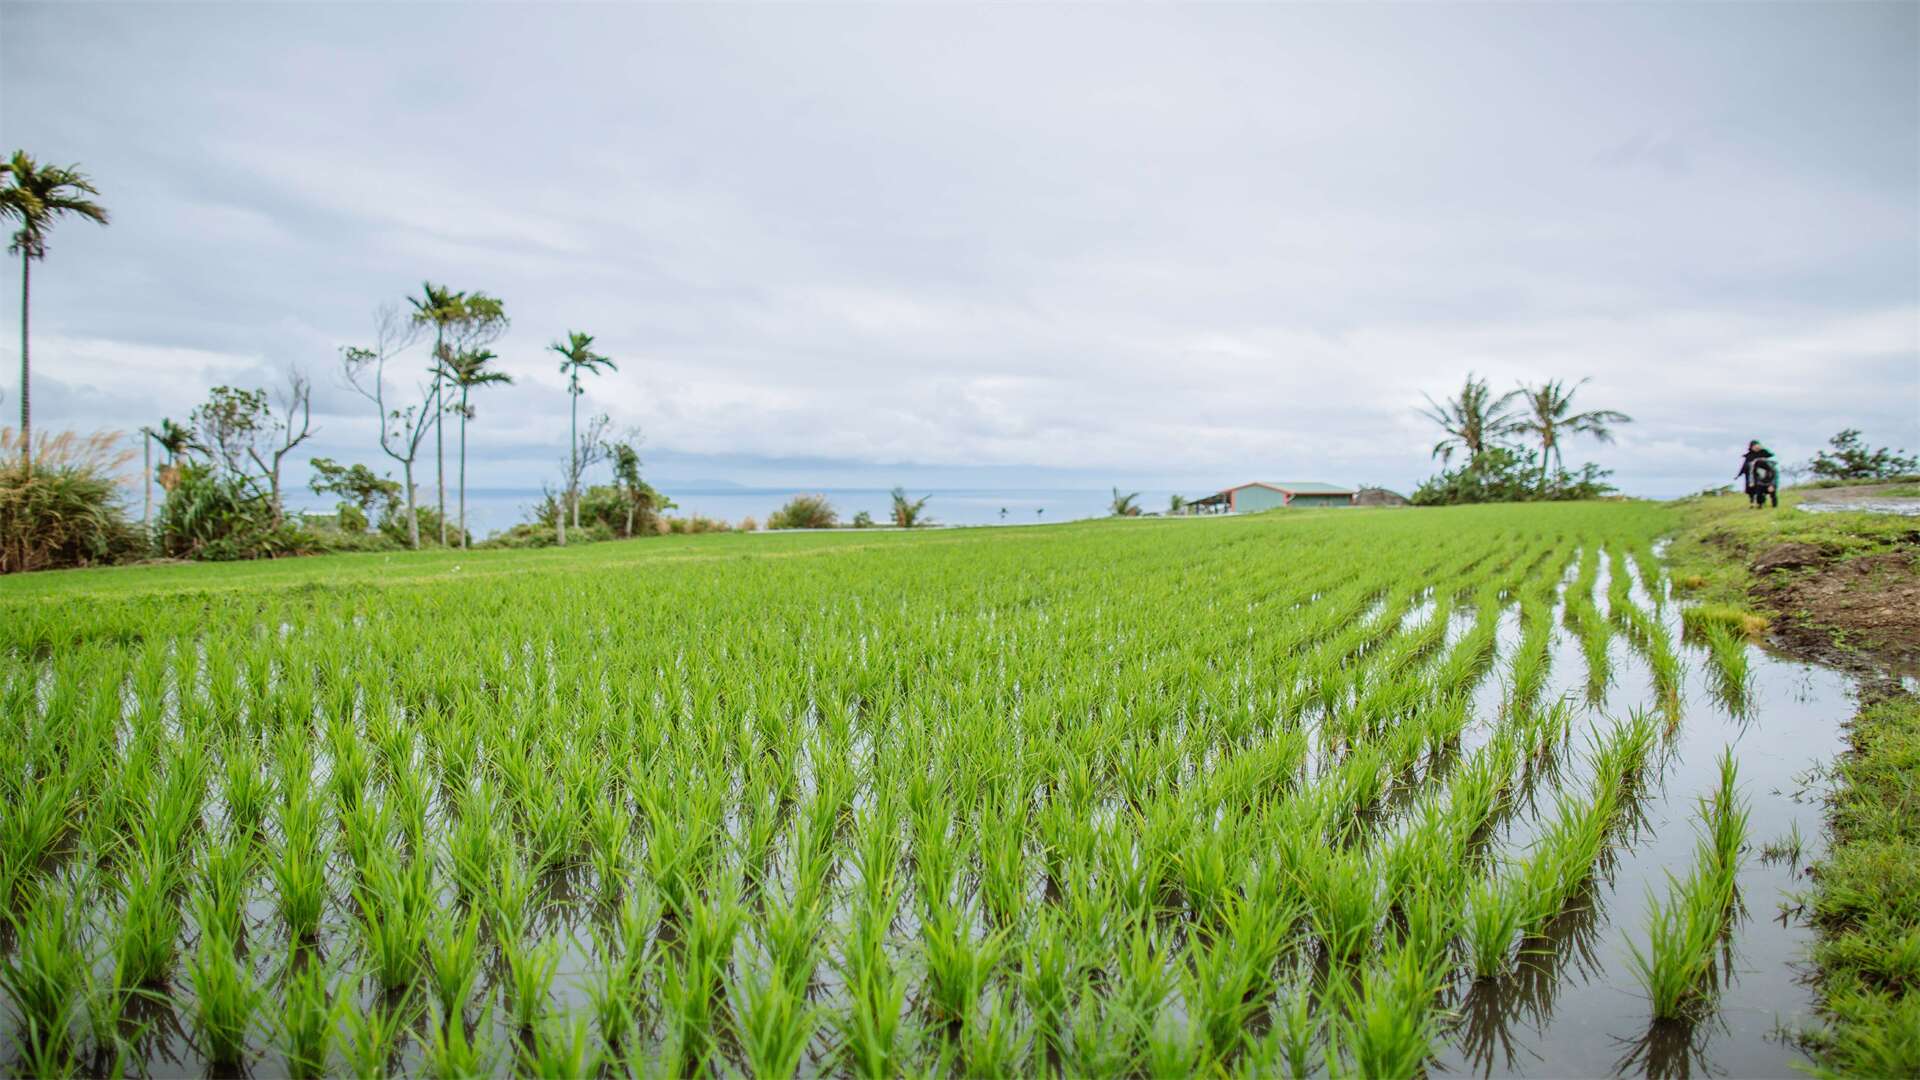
(1761,474)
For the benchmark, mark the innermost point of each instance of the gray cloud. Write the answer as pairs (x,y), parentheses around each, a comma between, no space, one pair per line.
(1173,247)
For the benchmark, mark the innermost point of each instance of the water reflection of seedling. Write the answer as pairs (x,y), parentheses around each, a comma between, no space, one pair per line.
(1787,849)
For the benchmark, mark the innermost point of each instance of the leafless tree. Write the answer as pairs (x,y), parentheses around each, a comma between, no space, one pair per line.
(402,430)
(291,424)
(590,451)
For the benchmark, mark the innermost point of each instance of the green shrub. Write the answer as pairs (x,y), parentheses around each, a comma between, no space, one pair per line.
(393,525)
(1504,474)
(220,517)
(804,512)
(68,511)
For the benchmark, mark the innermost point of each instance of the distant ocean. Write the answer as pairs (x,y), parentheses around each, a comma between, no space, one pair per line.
(491,510)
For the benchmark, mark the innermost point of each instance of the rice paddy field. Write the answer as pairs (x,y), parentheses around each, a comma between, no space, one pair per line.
(1308,793)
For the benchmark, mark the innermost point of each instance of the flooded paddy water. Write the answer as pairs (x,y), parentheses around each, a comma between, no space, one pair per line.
(1573,1007)
(1021,826)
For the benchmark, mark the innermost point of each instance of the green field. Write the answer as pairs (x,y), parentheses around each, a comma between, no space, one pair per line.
(1260,794)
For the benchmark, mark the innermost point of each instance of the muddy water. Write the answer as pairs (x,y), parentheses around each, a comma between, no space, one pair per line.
(1574,1007)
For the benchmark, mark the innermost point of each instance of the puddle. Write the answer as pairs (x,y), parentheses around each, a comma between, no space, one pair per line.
(1902,507)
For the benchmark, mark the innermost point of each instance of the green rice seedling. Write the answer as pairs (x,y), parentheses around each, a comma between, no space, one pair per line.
(1493,923)
(1046,974)
(474,844)
(247,790)
(299,889)
(1344,903)
(958,965)
(37,815)
(306,1020)
(44,978)
(220,903)
(1679,954)
(694,991)
(990,1040)
(1219,985)
(561,1049)
(1677,967)
(510,903)
(1733,676)
(773,1024)
(149,918)
(451,1052)
(1388,1027)
(1292,1044)
(225,997)
(877,995)
(371,1037)
(529,979)
(1143,981)
(396,917)
(453,959)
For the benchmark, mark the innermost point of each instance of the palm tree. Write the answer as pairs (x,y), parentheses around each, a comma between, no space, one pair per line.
(35,196)
(440,306)
(576,356)
(1473,421)
(1124,505)
(906,512)
(467,370)
(1550,417)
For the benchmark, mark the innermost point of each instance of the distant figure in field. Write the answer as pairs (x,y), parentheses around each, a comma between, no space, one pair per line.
(1761,474)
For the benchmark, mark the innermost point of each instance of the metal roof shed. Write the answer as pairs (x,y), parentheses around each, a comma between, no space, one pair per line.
(1251,498)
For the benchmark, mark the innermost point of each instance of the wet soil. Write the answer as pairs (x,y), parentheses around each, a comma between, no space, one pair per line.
(1862,614)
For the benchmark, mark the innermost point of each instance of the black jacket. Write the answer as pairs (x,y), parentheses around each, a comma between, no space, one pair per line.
(1747,471)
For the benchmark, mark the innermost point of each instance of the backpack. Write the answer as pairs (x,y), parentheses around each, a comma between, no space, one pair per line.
(1763,472)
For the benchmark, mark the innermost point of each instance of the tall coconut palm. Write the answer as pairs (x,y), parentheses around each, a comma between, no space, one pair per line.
(1474,421)
(467,370)
(34,196)
(576,357)
(440,307)
(1549,417)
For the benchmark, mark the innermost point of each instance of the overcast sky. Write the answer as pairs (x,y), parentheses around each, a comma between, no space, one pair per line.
(1151,246)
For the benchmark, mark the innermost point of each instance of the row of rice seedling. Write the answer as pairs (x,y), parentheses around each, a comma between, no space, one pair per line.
(1686,932)
(1144,797)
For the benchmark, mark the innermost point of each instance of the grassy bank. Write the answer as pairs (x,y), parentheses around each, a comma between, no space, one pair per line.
(1845,588)
(1867,901)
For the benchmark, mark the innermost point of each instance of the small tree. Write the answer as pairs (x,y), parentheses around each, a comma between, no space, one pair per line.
(909,513)
(242,429)
(1851,460)
(641,499)
(584,455)
(402,430)
(371,496)
(1124,505)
